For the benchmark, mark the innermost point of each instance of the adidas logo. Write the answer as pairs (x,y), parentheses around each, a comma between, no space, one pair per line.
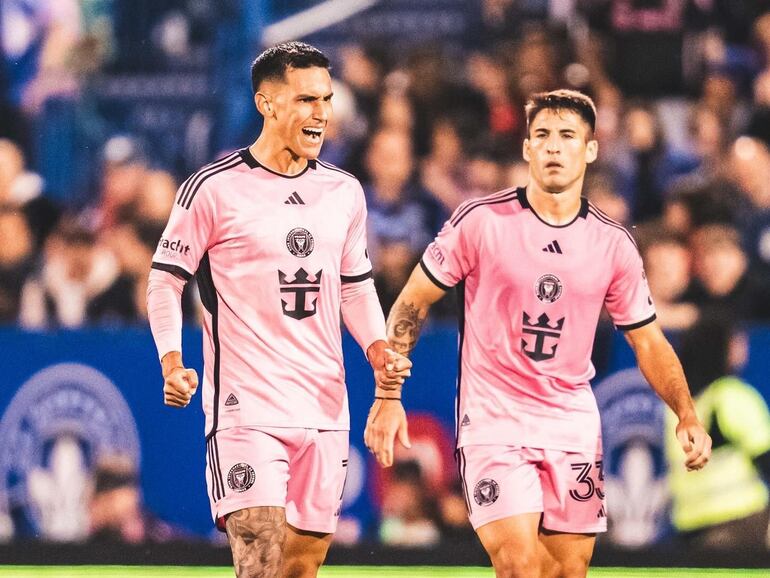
(294,199)
(466,420)
(602,513)
(231,400)
(552,247)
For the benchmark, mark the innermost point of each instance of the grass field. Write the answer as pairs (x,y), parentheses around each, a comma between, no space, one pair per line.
(347,572)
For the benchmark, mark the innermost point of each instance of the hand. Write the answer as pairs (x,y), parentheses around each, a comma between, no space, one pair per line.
(695,442)
(179,385)
(387,419)
(390,368)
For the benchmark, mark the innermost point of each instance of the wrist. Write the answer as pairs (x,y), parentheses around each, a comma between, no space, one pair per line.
(171,361)
(382,393)
(375,349)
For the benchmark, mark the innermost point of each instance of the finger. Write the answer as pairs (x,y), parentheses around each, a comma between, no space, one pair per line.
(172,393)
(403,434)
(192,379)
(684,440)
(402,363)
(385,451)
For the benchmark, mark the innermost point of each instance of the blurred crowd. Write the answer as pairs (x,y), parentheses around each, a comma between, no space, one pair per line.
(683,95)
(682,88)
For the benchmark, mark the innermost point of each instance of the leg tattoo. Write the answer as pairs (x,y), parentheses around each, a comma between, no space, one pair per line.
(257,537)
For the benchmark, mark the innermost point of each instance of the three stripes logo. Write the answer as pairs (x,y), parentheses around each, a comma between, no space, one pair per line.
(552,247)
(294,199)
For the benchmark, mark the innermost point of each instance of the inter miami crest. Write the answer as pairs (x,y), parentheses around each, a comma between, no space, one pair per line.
(486,492)
(241,477)
(548,288)
(300,242)
(300,286)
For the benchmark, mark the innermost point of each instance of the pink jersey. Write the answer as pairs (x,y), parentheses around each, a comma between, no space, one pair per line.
(270,253)
(530,295)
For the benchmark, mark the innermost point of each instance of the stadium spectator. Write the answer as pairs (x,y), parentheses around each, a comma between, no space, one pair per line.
(725,506)
(408,509)
(396,204)
(723,283)
(16,262)
(74,270)
(667,261)
(23,189)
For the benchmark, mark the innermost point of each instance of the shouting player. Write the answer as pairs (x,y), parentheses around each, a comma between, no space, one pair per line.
(533,268)
(276,240)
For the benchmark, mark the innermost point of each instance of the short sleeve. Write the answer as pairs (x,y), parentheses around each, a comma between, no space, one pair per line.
(628,299)
(187,234)
(451,256)
(356,265)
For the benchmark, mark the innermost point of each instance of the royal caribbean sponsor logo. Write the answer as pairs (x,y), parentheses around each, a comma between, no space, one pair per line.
(172,248)
(59,423)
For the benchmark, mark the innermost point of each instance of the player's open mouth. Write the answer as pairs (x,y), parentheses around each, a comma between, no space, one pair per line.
(553,165)
(314,134)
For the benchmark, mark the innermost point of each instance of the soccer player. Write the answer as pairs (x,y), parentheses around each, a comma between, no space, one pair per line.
(276,239)
(533,268)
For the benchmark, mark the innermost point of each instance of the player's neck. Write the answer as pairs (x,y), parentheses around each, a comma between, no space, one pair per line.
(276,157)
(554,208)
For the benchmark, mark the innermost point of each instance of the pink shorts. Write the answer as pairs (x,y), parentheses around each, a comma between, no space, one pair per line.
(300,469)
(504,481)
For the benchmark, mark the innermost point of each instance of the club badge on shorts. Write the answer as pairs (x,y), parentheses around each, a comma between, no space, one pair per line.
(241,477)
(486,492)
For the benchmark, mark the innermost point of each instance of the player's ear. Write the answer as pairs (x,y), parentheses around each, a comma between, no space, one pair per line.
(592,151)
(264,106)
(525,150)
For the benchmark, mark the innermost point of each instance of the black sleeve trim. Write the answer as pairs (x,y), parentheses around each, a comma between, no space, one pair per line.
(430,275)
(173,269)
(637,325)
(356,278)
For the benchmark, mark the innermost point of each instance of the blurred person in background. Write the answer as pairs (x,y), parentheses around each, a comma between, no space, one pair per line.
(124,301)
(116,512)
(750,172)
(24,189)
(38,40)
(277,240)
(723,282)
(408,509)
(725,506)
(155,199)
(124,173)
(535,267)
(668,262)
(73,271)
(17,262)
(397,207)
(395,260)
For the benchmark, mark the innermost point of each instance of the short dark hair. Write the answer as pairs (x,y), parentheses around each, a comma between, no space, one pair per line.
(563,99)
(273,63)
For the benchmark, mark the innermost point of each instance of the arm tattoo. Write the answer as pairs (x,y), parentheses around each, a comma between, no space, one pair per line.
(404,325)
(257,537)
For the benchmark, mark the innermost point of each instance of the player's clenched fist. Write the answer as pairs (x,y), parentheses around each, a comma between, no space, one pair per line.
(179,385)
(390,368)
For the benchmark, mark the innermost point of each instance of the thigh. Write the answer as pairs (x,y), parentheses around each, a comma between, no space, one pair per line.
(248,468)
(573,492)
(257,537)
(499,482)
(317,476)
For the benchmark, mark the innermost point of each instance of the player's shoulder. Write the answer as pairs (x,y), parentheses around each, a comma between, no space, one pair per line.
(331,171)
(207,176)
(475,206)
(598,218)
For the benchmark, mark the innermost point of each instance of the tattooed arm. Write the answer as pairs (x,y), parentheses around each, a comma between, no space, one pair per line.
(387,418)
(410,310)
